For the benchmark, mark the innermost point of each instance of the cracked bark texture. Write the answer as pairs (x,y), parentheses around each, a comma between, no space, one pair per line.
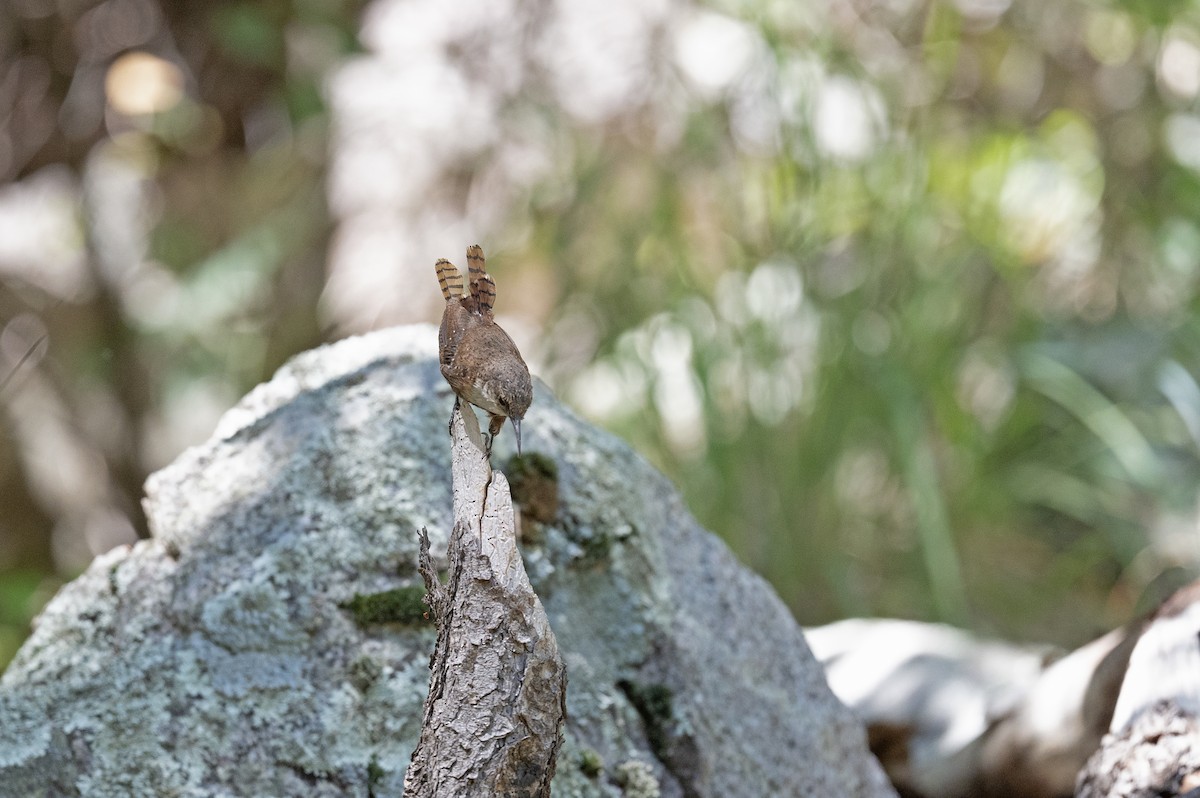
(259,643)
(497,694)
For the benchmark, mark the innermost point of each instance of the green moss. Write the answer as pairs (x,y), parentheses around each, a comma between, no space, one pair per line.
(533,479)
(654,703)
(590,763)
(374,774)
(534,463)
(402,605)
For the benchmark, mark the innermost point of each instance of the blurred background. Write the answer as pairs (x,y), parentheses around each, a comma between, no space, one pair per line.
(903,294)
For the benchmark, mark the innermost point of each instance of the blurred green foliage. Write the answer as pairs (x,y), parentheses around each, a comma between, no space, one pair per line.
(906,302)
(21,594)
(933,377)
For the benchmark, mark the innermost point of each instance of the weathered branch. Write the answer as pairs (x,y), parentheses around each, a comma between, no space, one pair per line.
(497,694)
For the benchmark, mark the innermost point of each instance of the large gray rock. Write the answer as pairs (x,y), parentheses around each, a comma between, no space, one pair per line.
(264,642)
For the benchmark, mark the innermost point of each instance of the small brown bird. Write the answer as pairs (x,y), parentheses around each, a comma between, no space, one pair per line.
(479,360)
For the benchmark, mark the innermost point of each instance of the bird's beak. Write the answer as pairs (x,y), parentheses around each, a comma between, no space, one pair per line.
(516,422)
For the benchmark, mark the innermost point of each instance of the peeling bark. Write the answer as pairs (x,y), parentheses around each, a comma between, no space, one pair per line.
(497,694)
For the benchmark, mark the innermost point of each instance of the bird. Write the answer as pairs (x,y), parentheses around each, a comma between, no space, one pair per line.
(478,358)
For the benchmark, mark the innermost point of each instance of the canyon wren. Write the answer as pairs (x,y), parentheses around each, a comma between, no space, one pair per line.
(478,359)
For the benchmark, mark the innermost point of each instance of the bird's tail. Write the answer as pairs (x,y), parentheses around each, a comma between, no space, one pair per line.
(450,279)
(483,287)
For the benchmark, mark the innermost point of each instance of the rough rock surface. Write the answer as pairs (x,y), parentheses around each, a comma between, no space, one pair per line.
(1156,755)
(263,642)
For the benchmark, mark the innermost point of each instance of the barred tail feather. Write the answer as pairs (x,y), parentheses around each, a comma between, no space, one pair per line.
(475,267)
(485,293)
(450,279)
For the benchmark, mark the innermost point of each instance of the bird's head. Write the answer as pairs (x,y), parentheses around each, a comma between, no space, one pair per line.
(515,400)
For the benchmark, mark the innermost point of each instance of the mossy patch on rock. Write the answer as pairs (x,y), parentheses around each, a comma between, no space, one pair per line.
(403,605)
(533,480)
(591,763)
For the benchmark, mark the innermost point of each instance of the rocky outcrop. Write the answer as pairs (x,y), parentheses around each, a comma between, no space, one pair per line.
(269,639)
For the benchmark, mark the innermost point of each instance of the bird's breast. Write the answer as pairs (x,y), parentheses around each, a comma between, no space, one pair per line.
(479,394)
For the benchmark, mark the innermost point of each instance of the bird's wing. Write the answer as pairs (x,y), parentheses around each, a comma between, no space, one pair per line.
(456,320)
